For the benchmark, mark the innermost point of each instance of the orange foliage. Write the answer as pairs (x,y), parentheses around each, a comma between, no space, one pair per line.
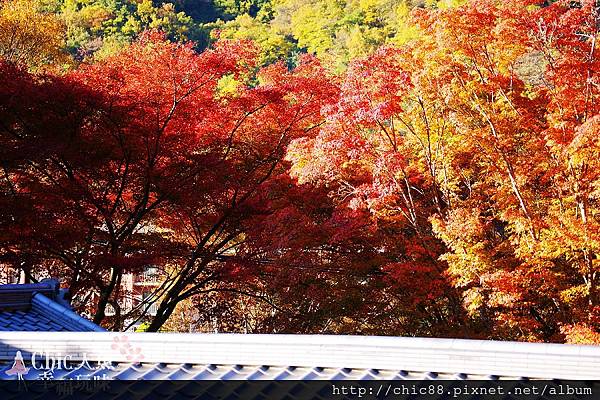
(446,138)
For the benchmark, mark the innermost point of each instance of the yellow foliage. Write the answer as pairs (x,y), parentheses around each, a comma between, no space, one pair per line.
(228,85)
(405,29)
(270,40)
(580,334)
(574,294)
(94,15)
(444,4)
(473,301)
(30,37)
(110,46)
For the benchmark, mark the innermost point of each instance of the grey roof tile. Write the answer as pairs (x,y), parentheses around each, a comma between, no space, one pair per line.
(161,371)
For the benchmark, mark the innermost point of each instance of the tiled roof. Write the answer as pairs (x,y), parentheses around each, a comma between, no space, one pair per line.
(171,356)
(39,307)
(162,371)
(28,321)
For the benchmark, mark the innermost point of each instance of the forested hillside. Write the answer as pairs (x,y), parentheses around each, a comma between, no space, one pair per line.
(388,167)
(334,30)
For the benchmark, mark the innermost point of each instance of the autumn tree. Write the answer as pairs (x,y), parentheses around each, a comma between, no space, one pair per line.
(310,264)
(30,36)
(164,167)
(445,136)
(243,151)
(380,152)
(113,152)
(273,43)
(572,59)
(531,224)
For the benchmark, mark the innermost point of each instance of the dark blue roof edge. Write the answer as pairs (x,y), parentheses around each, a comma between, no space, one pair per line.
(17,297)
(63,314)
(50,284)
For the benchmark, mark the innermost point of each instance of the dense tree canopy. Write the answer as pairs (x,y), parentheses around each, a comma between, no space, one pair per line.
(102,27)
(336,31)
(429,168)
(444,136)
(30,36)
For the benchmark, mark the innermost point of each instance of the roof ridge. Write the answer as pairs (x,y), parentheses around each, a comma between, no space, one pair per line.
(17,297)
(59,312)
(307,356)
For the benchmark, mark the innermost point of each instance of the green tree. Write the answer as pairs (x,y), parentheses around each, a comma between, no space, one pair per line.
(100,27)
(233,8)
(273,43)
(338,31)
